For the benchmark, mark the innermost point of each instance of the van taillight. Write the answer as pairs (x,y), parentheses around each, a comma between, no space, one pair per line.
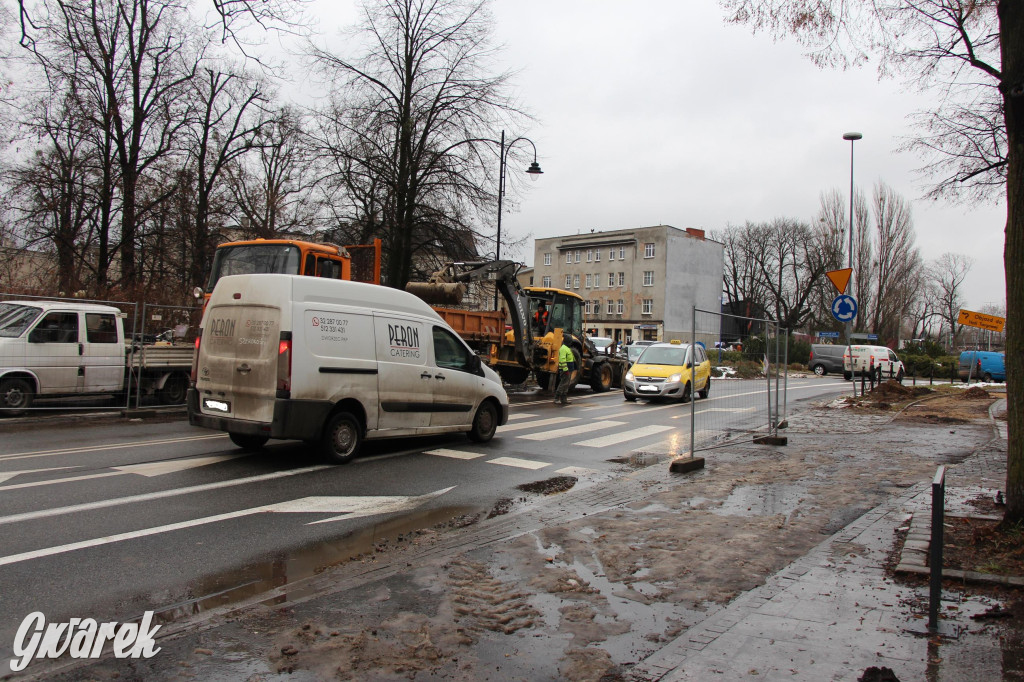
(195,359)
(284,365)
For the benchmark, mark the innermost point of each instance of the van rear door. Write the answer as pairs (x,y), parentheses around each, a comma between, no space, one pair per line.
(237,371)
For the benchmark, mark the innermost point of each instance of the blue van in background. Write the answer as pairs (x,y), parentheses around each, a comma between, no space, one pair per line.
(992,366)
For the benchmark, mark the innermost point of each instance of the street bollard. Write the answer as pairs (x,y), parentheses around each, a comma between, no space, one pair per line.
(935,547)
(871,373)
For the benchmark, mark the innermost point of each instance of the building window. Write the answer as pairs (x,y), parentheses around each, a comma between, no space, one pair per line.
(611,254)
(648,308)
(577,256)
(547,259)
(588,308)
(622,306)
(648,278)
(597,255)
(575,281)
(622,253)
(546,282)
(649,250)
(597,307)
(611,307)
(597,280)
(611,279)
(568,256)
(568,281)
(590,255)
(590,280)
(622,279)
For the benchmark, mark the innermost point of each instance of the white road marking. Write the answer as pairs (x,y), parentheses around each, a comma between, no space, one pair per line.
(354,507)
(112,446)
(571,430)
(146,497)
(519,463)
(8,475)
(540,422)
(624,436)
(524,415)
(731,409)
(171,466)
(454,454)
(145,469)
(576,471)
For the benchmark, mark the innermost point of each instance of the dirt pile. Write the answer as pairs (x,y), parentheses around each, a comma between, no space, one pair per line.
(894,392)
(974,393)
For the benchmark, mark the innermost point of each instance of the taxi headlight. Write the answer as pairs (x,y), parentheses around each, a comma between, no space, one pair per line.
(674,379)
(629,376)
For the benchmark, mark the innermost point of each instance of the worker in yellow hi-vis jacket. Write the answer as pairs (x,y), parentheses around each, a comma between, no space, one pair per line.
(566,365)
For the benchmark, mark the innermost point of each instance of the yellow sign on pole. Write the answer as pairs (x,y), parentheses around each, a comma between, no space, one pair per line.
(981,320)
(840,278)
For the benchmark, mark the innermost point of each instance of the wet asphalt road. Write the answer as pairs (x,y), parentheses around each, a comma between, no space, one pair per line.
(107,519)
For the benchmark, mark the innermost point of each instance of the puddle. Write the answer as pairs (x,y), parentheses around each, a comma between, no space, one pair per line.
(230,587)
(639,460)
(762,500)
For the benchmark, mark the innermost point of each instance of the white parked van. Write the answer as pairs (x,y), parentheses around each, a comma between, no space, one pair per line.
(334,362)
(884,360)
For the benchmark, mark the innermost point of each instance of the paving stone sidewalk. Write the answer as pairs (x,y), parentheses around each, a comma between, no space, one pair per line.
(834,613)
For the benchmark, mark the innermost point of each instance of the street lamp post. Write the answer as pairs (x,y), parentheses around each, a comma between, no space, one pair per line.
(533,171)
(852,137)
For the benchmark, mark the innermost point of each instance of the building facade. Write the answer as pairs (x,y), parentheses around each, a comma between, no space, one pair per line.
(638,284)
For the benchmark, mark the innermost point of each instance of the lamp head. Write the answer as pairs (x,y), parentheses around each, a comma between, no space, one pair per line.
(852,136)
(534,171)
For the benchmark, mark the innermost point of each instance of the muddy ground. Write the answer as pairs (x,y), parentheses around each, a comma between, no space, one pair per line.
(588,596)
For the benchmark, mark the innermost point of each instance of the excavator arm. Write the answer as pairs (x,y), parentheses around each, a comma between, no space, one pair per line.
(444,287)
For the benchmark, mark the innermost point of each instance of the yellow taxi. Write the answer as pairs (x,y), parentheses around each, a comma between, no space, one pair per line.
(666,370)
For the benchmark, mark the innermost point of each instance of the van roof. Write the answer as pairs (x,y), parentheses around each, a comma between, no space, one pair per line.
(68,305)
(339,292)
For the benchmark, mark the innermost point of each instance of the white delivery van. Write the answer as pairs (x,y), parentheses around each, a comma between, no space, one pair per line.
(884,360)
(333,362)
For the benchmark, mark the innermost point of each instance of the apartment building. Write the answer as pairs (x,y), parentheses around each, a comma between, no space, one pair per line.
(637,284)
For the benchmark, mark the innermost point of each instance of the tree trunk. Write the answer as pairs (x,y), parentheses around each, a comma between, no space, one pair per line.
(1011,33)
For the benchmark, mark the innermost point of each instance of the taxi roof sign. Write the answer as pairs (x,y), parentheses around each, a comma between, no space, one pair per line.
(840,278)
(970,318)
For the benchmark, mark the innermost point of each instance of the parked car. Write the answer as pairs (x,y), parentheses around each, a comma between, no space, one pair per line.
(825,358)
(884,360)
(635,349)
(982,366)
(669,370)
(601,343)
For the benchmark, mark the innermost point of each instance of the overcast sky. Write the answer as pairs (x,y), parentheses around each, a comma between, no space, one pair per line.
(657,112)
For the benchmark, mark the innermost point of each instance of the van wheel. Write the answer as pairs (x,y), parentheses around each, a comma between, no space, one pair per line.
(248,441)
(847,375)
(987,378)
(485,423)
(706,391)
(601,378)
(174,390)
(820,370)
(342,437)
(15,396)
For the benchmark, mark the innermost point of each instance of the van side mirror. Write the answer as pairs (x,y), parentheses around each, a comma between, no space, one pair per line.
(475,366)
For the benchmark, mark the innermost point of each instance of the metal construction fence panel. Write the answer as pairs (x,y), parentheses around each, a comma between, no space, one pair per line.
(61,359)
(746,398)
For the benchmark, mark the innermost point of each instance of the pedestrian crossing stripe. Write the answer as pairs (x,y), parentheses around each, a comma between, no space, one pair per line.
(540,422)
(518,463)
(522,415)
(571,430)
(454,454)
(624,436)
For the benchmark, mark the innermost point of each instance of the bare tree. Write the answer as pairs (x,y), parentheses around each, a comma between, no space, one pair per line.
(273,189)
(973,50)
(416,114)
(228,120)
(948,273)
(897,262)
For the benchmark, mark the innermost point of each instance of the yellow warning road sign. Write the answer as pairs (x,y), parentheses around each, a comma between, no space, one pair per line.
(981,320)
(840,278)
